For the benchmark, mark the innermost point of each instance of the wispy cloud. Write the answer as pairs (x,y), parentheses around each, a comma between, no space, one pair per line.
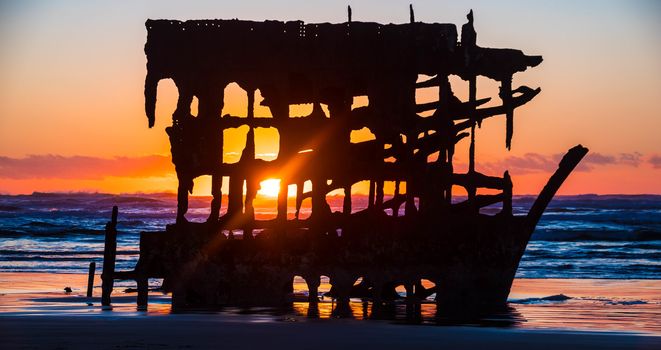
(593,160)
(536,163)
(597,159)
(633,159)
(82,167)
(95,168)
(655,161)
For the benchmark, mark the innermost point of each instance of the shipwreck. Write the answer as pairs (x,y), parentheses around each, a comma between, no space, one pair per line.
(421,232)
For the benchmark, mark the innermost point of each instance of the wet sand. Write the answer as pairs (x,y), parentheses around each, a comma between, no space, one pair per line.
(214,331)
(35,312)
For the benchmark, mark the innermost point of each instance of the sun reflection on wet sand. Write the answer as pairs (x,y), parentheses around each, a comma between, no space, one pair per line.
(610,305)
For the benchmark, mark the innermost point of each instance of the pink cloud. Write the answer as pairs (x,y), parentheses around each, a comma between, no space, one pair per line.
(655,161)
(95,168)
(537,163)
(84,168)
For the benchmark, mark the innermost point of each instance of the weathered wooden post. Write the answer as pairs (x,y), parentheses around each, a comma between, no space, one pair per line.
(507,194)
(313,283)
(109,255)
(90,279)
(143,292)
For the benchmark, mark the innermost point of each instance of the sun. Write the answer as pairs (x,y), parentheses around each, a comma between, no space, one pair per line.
(269,188)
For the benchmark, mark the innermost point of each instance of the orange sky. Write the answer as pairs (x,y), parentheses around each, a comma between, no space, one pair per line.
(71,98)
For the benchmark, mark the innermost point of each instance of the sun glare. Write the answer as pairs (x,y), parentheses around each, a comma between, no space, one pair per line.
(270,187)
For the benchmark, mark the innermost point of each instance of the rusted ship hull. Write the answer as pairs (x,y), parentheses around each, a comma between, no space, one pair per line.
(472,260)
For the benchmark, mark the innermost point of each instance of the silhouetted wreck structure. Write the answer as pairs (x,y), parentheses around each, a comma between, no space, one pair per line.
(420,233)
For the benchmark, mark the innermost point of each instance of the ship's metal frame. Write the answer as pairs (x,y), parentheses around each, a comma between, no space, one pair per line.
(422,231)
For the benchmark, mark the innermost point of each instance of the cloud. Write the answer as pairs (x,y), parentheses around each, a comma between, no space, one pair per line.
(598,159)
(632,159)
(95,168)
(528,163)
(655,161)
(537,163)
(84,168)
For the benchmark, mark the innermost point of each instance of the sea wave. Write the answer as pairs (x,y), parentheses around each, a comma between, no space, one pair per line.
(595,235)
(51,233)
(62,252)
(594,254)
(9,208)
(577,237)
(550,298)
(128,200)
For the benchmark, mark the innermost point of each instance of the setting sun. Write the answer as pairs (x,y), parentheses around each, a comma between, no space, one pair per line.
(269,188)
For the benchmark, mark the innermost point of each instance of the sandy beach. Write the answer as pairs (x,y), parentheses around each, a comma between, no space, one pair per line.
(248,332)
(36,313)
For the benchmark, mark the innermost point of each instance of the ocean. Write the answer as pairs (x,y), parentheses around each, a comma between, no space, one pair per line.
(579,237)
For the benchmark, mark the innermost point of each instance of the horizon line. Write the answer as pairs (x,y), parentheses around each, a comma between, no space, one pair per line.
(172,193)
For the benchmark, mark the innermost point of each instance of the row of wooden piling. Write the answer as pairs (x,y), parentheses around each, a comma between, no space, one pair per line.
(109,275)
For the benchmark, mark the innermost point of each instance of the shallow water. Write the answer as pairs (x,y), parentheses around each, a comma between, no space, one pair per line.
(569,304)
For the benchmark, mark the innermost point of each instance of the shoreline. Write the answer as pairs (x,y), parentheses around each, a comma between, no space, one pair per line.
(568,305)
(36,313)
(213,331)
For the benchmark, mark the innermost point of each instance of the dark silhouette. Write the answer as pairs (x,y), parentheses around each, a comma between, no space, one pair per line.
(471,257)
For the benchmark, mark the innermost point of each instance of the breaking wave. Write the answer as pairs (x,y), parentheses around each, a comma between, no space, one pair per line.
(578,236)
